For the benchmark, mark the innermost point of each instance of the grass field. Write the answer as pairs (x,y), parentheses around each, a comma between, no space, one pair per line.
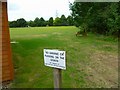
(92,61)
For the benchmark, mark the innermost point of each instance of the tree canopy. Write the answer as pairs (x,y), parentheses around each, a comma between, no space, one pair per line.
(97,17)
(18,23)
(39,22)
(50,22)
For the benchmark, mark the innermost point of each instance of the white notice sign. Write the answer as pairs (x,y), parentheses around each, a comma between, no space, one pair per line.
(54,58)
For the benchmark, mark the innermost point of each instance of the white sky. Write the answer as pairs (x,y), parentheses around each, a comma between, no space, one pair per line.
(30,9)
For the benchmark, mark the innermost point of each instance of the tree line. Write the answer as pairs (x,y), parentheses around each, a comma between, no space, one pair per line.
(40,22)
(97,17)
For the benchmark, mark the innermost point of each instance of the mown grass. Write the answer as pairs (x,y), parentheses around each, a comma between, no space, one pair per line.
(30,71)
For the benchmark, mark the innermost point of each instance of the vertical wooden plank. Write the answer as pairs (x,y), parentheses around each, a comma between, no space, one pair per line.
(57,78)
(0,44)
(6,45)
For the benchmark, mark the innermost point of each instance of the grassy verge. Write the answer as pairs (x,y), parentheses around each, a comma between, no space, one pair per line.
(91,60)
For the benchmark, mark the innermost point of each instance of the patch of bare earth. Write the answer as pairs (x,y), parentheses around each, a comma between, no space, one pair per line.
(33,36)
(102,70)
(56,33)
(41,35)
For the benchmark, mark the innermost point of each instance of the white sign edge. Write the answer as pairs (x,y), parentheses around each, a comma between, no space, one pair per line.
(53,66)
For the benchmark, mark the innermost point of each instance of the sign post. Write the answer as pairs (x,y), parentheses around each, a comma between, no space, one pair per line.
(57,78)
(55,59)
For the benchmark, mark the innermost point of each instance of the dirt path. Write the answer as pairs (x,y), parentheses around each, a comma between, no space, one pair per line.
(102,70)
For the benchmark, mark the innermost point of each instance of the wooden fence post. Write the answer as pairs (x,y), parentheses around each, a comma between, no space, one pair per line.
(57,78)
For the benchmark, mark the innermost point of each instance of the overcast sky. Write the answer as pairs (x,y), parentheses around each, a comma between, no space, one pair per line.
(30,9)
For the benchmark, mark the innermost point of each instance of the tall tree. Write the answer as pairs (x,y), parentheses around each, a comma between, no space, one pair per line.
(97,17)
(81,13)
(37,22)
(13,24)
(50,22)
(63,20)
(42,22)
(31,23)
(113,19)
(70,21)
(21,22)
(57,21)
